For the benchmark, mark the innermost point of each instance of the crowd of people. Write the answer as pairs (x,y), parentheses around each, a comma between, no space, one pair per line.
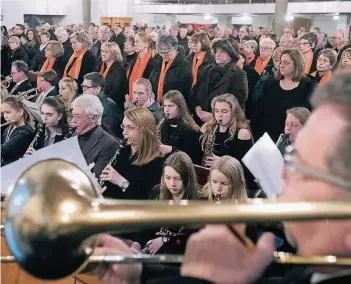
(179,101)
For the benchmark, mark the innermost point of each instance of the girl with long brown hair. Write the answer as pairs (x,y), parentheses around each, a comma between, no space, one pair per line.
(19,134)
(177,129)
(139,164)
(178,182)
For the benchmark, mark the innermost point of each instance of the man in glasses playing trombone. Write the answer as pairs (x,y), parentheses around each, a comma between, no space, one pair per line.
(317,169)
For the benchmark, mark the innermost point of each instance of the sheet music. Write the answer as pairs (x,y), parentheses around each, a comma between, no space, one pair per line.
(266,163)
(68,150)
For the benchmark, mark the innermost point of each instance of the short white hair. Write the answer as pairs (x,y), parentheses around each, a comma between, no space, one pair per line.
(91,105)
(252,44)
(268,41)
(61,31)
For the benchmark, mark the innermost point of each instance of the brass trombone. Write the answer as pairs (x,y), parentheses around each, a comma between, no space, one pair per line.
(6,81)
(54,211)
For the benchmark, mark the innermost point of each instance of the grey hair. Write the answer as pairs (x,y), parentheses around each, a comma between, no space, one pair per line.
(84,38)
(21,66)
(166,42)
(337,93)
(61,31)
(253,44)
(91,105)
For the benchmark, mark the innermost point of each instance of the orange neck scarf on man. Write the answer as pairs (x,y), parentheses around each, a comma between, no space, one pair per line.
(137,72)
(163,74)
(197,64)
(75,69)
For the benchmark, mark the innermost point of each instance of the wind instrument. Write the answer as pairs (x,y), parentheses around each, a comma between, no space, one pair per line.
(6,123)
(112,162)
(37,135)
(160,125)
(65,195)
(133,104)
(70,133)
(24,95)
(209,144)
(6,81)
(62,243)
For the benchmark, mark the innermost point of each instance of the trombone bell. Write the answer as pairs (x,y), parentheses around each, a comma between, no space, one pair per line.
(54,210)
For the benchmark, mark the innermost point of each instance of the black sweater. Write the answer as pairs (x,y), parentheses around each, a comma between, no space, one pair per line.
(141,178)
(15,143)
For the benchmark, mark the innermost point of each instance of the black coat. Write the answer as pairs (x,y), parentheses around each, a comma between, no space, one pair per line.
(208,60)
(41,139)
(142,179)
(116,84)
(19,54)
(31,51)
(148,69)
(96,48)
(14,148)
(128,59)
(216,81)
(38,60)
(5,60)
(88,65)
(179,77)
(68,51)
(120,40)
(24,86)
(252,79)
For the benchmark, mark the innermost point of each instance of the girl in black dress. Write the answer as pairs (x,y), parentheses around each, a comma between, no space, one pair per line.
(178,182)
(54,128)
(178,130)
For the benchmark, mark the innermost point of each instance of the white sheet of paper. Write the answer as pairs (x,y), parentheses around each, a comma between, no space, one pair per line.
(266,163)
(68,150)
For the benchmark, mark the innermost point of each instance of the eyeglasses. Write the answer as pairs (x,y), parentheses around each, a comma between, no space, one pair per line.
(164,52)
(292,164)
(304,43)
(78,117)
(13,73)
(263,48)
(128,127)
(87,87)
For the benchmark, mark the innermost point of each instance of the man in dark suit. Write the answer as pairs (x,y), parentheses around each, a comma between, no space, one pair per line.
(97,146)
(94,84)
(19,73)
(47,81)
(312,173)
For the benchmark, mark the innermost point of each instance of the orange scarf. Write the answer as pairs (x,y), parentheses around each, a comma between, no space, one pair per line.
(260,66)
(250,59)
(137,72)
(103,71)
(324,79)
(48,64)
(197,64)
(163,74)
(308,63)
(75,70)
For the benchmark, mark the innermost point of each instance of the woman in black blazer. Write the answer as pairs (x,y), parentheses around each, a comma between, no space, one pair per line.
(220,78)
(82,61)
(114,73)
(17,50)
(54,128)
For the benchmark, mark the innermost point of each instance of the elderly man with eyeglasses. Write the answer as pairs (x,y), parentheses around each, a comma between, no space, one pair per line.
(317,169)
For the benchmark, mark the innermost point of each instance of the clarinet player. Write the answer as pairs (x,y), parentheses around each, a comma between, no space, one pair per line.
(138,167)
(54,128)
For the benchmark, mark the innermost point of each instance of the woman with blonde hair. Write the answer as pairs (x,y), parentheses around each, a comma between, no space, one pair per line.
(68,91)
(143,64)
(178,130)
(144,97)
(227,133)
(83,60)
(178,182)
(226,181)
(114,73)
(138,167)
(295,120)
(345,60)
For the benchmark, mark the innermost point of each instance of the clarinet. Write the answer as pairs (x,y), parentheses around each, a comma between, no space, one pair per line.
(160,125)
(208,149)
(70,132)
(217,199)
(35,140)
(112,162)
